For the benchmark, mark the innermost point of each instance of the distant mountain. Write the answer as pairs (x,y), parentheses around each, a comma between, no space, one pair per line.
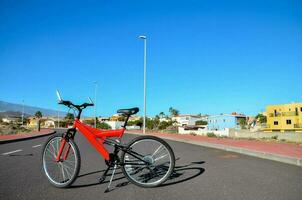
(12,114)
(15,109)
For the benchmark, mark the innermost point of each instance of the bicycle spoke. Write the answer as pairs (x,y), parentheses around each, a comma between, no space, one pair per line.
(156,150)
(161,157)
(67,172)
(62,172)
(155,156)
(51,154)
(54,149)
(58,147)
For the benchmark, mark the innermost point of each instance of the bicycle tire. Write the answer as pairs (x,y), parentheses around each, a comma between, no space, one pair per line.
(46,165)
(150,157)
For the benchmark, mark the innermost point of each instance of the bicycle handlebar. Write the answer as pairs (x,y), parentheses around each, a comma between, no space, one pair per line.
(69,103)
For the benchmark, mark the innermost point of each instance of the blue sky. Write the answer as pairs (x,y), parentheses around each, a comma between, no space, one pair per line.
(205,57)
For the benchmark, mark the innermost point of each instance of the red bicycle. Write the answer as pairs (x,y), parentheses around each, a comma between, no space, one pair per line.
(147,161)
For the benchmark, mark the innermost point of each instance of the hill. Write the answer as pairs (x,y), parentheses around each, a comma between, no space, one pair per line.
(12,109)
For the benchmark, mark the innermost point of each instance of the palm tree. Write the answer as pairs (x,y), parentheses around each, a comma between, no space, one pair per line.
(161,114)
(38,115)
(173,112)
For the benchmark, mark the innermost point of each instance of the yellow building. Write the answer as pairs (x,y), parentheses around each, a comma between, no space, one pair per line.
(33,122)
(285,117)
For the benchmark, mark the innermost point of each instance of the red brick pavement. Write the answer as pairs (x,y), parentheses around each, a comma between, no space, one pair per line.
(285,149)
(25,135)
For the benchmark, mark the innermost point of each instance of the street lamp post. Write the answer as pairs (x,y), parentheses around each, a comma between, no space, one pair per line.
(22,112)
(95,95)
(58,117)
(145,76)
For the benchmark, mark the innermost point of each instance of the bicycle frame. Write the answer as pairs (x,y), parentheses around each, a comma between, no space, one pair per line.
(95,136)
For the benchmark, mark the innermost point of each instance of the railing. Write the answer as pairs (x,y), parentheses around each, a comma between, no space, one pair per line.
(274,114)
(298,125)
(289,113)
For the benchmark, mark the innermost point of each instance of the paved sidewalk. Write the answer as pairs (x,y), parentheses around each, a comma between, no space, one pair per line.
(24,136)
(282,152)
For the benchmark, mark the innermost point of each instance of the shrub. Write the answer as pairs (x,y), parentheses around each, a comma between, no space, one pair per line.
(164,125)
(201,122)
(102,125)
(211,134)
(275,137)
(192,133)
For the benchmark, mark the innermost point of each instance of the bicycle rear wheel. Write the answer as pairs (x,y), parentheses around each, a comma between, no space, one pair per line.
(64,172)
(149,161)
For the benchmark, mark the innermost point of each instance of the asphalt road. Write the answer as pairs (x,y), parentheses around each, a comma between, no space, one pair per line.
(200,173)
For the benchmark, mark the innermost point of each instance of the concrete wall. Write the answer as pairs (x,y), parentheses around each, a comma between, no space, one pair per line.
(181,130)
(133,127)
(288,136)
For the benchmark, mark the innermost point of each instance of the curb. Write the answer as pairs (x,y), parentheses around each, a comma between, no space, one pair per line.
(25,138)
(259,154)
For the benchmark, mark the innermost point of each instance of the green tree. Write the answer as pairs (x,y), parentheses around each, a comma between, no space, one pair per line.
(261,118)
(103,125)
(242,123)
(161,114)
(165,124)
(136,123)
(69,118)
(38,115)
(149,123)
(201,122)
(173,112)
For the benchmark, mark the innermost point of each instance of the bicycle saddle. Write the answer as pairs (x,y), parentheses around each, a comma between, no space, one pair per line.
(129,111)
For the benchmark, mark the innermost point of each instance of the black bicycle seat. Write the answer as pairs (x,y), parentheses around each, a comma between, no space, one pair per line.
(129,111)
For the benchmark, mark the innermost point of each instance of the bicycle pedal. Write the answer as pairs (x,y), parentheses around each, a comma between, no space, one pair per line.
(102,179)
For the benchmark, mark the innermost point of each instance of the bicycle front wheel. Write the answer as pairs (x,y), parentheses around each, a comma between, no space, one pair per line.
(148,162)
(64,172)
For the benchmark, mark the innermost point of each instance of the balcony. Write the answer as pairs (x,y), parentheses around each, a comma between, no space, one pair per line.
(289,113)
(274,114)
(285,114)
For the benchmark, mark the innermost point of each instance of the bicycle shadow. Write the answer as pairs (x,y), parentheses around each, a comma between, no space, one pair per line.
(180,174)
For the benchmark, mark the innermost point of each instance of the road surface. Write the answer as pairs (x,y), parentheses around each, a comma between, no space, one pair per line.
(200,173)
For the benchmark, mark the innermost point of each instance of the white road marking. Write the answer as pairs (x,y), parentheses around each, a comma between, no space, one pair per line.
(7,153)
(38,145)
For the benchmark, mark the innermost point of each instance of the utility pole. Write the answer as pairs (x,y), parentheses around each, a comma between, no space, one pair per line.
(95,103)
(22,112)
(145,82)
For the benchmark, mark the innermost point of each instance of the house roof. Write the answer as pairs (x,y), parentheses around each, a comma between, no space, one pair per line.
(189,115)
(231,115)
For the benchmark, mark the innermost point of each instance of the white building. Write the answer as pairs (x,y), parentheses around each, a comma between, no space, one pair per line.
(49,123)
(115,124)
(186,120)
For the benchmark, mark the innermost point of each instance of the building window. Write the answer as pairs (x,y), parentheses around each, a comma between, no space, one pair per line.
(301,109)
(288,121)
(275,122)
(289,109)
